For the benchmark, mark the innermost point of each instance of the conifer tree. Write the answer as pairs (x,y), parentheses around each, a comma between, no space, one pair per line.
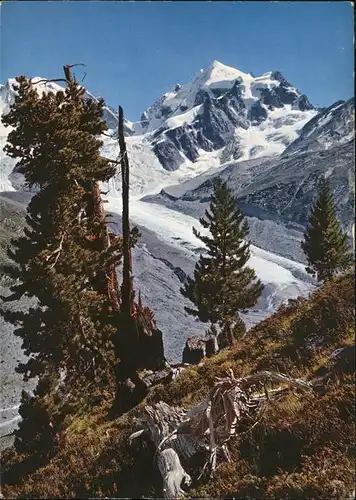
(66,259)
(223,285)
(62,259)
(325,245)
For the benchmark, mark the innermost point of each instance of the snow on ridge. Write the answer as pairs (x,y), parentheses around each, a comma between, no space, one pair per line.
(184,118)
(218,75)
(46,86)
(182,98)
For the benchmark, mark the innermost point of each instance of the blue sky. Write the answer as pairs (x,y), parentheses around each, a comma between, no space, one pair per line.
(135,51)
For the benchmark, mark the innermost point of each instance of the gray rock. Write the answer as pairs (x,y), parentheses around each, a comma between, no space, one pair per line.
(257,114)
(168,154)
(331,126)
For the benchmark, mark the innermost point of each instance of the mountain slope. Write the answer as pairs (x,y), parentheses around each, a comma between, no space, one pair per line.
(275,194)
(331,126)
(299,447)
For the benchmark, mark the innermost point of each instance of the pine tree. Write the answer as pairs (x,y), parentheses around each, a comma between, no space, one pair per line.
(325,245)
(66,259)
(223,285)
(63,258)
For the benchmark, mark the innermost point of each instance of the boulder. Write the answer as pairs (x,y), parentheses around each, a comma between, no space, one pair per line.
(160,377)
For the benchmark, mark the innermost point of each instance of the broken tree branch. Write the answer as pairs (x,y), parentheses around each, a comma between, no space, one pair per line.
(50,80)
(56,253)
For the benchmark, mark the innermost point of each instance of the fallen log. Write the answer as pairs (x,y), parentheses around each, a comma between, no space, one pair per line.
(178,434)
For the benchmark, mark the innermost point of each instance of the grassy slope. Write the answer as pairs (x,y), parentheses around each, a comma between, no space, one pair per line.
(302,447)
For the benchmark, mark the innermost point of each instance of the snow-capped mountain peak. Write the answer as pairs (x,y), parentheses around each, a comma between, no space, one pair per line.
(219,75)
(221,115)
(224,109)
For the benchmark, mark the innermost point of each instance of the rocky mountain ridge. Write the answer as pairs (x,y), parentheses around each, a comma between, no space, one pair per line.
(224,109)
(223,115)
(235,125)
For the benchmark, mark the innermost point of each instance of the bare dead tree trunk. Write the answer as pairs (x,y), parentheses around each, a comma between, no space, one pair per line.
(68,73)
(126,289)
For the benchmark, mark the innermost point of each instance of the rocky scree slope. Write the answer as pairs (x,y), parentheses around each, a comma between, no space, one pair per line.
(276,192)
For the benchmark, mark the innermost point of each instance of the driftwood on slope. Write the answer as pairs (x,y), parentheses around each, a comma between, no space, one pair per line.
(178,434)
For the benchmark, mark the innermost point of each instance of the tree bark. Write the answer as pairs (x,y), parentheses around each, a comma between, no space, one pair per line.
(68,73)
(126,289)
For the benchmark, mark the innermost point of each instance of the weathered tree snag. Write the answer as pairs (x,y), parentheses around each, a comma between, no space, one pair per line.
(160,423)
(172,473)
(68,73)
(139,342)
(126,289)
(179,434)
(196,348)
